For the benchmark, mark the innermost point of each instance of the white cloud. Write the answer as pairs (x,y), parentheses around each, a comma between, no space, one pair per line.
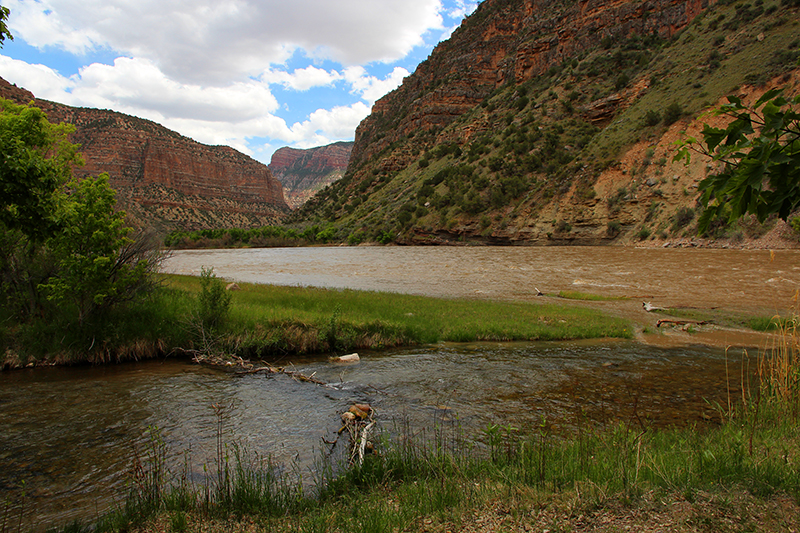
(302,79)
(330,124)
(461,9)
(41,80)
(137,84)
(370,88)
(40,25)
(214,42)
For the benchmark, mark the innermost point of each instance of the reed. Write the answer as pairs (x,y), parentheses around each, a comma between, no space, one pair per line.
(779,366)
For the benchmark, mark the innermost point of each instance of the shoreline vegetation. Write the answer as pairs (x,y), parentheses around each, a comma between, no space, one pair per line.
(743,475)
(197,316)
(775,234)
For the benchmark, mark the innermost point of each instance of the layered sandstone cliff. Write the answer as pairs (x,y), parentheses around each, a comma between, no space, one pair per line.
(507,42)
(162,178)
(553,122)
(304,172)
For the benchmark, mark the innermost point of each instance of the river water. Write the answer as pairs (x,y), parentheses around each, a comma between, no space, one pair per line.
(69,434)
(733,279)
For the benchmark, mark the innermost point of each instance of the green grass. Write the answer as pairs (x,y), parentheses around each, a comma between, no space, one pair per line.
(728,318)
(267,320)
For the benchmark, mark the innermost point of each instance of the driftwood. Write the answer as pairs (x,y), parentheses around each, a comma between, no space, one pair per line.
(680,322)
(298,376)
(357,422)
(244,366)
(647,306)
(363,444)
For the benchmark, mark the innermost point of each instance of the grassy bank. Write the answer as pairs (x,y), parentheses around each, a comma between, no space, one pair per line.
(265,321)
(743,475)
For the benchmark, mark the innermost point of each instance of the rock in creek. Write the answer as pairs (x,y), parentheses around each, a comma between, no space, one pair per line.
(350,358)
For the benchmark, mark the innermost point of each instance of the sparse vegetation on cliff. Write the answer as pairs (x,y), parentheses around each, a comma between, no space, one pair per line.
(546,142)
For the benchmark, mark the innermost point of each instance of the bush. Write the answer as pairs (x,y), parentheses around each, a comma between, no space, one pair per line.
(652,118)
(622,81)
(213,302)
(683,216)
(672,113)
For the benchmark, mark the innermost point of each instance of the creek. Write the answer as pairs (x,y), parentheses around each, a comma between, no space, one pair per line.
(69,434)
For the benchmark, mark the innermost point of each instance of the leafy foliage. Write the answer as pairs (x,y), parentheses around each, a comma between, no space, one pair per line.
(760,151)
(35,160)
(4,33)
(92,250)
(65,251)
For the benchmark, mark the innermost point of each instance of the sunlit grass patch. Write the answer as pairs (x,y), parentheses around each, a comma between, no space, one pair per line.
(280,319)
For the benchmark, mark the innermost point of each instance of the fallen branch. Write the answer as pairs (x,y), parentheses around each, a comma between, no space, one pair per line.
(357,421)
(363,445)
(294,374)
(680,322)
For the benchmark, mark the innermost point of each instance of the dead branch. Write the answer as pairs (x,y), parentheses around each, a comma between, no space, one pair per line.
(680,322)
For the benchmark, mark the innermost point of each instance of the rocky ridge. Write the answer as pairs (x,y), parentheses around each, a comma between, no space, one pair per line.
(162,179)
(304,172)
(508,42)
(553,122)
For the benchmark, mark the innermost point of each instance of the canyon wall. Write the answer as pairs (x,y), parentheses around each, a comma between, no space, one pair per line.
(304,172)
(163,179)
(554,122)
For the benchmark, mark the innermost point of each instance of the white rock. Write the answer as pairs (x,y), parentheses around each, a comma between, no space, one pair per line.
(350,358)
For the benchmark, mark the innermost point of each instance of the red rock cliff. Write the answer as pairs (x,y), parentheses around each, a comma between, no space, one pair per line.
(506,41)
(165,179)
(304,172)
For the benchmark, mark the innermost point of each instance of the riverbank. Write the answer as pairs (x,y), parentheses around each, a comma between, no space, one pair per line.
(267,321)
(743,475)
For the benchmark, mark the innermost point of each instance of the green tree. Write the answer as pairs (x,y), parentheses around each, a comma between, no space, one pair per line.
(4,33)
(94,270)
(36,158)
(760,153)
(64,249)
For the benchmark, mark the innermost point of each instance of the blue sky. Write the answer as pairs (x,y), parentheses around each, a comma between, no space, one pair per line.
(252,74)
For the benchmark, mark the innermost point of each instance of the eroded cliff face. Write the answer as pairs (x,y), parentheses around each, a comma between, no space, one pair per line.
(506,42)
(163,179)
(553,122)
(304,172)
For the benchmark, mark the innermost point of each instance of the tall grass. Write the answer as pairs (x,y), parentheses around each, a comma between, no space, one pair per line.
(779,367)
(269,320)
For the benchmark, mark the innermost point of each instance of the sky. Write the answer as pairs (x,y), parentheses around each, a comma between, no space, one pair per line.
(252,74)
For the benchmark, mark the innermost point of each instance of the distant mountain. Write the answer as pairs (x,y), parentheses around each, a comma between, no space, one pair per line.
(163,179)
(304,172)
(552,122)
